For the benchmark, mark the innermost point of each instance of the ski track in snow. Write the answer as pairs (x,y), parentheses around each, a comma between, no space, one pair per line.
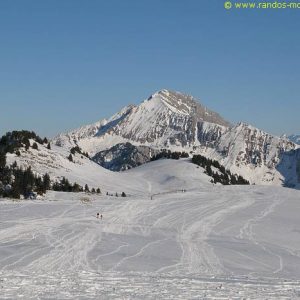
(206,243)
(247,230)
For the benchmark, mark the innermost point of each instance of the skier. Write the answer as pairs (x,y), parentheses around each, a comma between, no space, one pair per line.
(101,216)
(98,216)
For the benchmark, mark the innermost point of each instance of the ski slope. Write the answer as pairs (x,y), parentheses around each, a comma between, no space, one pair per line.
(210,242)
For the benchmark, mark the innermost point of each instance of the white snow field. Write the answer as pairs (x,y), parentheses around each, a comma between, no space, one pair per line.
(209,242)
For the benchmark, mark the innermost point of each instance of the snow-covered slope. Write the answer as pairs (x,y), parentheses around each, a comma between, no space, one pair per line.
(258,156)
(207,242)
(82,170)
(167,175)
(295,138)
(89,136)
(167,118)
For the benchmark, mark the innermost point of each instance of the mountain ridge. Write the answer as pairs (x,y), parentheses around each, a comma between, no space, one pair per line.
(178,122)
(295,138)
(161,112)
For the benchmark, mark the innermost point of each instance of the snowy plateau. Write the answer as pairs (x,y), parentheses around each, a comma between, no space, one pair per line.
(176,235)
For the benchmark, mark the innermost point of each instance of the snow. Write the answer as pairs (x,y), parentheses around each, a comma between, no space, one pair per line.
(210,242)
(82,170)
(275,165)
(98,129)
(295,138)
(152,123)
(180,123)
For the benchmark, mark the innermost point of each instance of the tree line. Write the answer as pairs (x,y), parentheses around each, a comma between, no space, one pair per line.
(169,155)
(12,141)
(15,181)
(222,175)
(63,185)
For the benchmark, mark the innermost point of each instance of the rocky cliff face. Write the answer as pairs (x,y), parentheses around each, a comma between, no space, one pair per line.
(170,118)
(124,156)
(253,153)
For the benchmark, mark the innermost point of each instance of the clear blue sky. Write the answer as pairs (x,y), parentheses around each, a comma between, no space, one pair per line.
(66,63)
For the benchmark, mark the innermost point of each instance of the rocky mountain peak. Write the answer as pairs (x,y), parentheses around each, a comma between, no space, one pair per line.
(167,118)
(187,105)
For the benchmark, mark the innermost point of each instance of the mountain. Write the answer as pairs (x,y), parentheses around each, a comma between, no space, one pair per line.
(256,155)
(165,119)
(178,122)
(295,138)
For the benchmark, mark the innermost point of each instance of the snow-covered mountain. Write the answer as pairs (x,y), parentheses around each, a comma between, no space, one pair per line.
(257,156)
(176,121)
(295,138)
(165,119)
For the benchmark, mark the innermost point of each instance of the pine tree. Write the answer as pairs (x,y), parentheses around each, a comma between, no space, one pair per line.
(123,194)
(27,144)
(46,182)
(15,192)
(39,186)
(1,188)
(208,170)
(49,146)
(86,188)
(76,188)
(233,180)
(93,190)
(70,157)
(2,160)
(98,191)
(35,146)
